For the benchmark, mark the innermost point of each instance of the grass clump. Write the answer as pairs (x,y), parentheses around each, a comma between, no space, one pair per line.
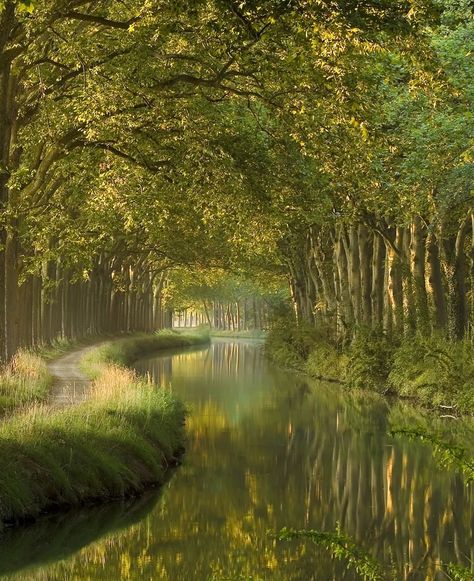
(115,444)
(23,381)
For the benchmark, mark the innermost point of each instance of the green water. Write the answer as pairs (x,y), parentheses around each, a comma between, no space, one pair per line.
(266,449)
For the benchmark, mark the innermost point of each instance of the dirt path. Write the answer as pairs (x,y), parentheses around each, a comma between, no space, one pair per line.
(70,385)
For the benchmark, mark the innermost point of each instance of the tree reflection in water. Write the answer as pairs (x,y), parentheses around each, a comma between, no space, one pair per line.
(268,450)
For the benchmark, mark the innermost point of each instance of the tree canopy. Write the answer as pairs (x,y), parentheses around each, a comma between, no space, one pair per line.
(313,140)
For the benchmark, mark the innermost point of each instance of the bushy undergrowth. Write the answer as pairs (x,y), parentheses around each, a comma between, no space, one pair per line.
(115,444)
(326,361)
(435,371)
(370,357)
(25,380)
(126,351)
(290,344)
(431,370)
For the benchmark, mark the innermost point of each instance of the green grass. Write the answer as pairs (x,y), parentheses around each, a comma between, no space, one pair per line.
(116,444)
(126,351)
(24,381)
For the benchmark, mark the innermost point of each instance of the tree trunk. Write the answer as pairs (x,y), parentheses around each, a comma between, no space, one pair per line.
(378,277)
(395,281)
(418,259)
(435,280)
(365,254)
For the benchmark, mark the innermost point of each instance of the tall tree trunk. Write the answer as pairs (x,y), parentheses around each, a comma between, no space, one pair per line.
(345,309)
(418,271)
(409,299)
(378,277)
(365,254)
(435,280)
(395,281)
(352,241)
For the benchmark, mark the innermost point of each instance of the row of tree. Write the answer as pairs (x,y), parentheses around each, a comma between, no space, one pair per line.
(102,109)
(400,278)
(329,144)
(393,244)
(111,298)
(241,315)
(222,301)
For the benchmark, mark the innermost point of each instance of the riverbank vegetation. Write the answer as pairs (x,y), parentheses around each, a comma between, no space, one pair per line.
(430,370)
(125,351)
(116,444)
(23,381)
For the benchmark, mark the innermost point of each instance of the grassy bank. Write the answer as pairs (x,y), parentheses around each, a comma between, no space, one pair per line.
(431,371)
(116,444)
(26,380)
(126,351)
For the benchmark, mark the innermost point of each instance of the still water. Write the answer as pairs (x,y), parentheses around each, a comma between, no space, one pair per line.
(266,449)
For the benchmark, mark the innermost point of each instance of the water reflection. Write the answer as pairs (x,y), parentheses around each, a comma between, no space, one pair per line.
(267,450)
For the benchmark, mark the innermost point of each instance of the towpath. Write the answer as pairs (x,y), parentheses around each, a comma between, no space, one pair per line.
(70,385)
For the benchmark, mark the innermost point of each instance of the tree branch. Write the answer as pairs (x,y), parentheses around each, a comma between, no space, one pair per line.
(100,20)
(108,146)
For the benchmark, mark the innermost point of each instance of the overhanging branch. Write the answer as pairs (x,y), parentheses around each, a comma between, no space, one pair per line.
(101,20)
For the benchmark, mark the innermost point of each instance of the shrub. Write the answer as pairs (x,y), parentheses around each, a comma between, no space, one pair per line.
(327,361)
(434,371)
(370,360)
(290,344)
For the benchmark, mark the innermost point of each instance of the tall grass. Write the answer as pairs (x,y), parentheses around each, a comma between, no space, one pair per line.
(23,381)
(117,443)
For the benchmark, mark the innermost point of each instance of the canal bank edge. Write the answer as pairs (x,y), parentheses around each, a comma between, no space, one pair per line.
(431,372)
(102,449)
